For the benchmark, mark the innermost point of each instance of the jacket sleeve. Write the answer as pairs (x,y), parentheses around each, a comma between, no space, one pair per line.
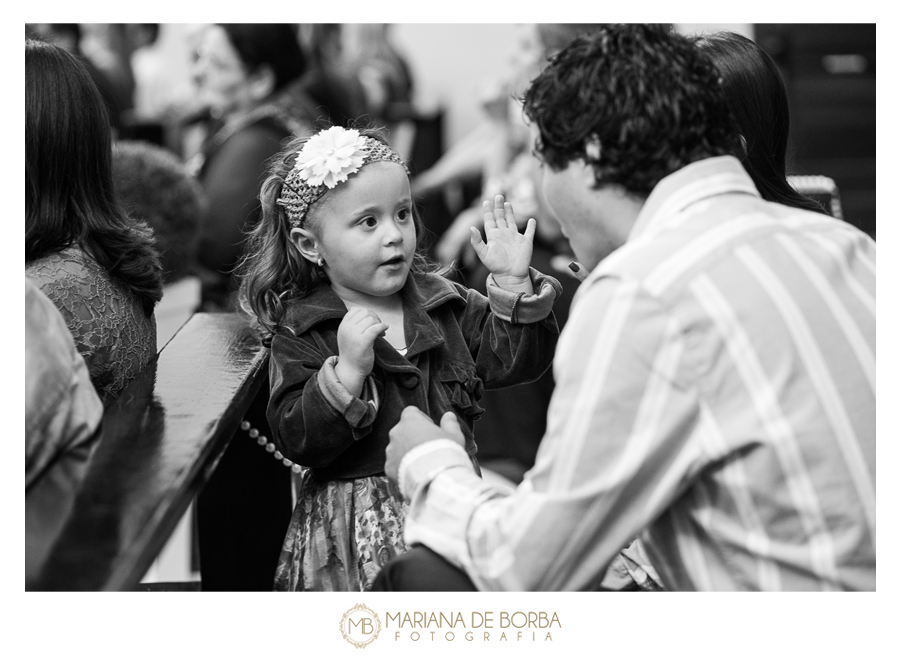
(511,335)
(313,417)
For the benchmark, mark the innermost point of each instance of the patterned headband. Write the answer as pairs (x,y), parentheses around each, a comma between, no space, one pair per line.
(328,158)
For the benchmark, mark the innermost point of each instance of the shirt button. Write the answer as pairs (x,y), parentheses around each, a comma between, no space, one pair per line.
(409,381)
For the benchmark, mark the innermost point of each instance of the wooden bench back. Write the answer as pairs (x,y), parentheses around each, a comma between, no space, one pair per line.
(159,443)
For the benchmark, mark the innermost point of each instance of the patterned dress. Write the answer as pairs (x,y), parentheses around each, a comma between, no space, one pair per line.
(317,555)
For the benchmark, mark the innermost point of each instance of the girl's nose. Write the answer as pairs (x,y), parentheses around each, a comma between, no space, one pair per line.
(392,232)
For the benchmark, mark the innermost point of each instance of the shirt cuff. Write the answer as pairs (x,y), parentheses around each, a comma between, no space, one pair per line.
(356,410)
(422,464)
(519,308)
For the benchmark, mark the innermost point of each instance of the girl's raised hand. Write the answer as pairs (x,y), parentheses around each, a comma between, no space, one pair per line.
(356,338)
(506,252)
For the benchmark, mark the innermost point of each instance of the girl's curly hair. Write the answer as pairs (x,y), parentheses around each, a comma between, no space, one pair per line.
(648,95)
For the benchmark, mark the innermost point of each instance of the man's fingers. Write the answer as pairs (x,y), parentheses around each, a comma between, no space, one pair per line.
(411,412)
(450,424)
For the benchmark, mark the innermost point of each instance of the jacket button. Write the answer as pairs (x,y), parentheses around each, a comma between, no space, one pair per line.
(409,381)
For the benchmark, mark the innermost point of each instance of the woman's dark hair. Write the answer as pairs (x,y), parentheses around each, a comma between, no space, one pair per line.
(268,44)
(756,96)
(649,97)
(69,193)
(272,271)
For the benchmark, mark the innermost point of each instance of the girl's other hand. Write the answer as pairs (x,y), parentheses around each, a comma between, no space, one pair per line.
(356,338)
(506,252)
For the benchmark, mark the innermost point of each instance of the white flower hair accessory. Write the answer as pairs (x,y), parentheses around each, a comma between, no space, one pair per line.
(329,157)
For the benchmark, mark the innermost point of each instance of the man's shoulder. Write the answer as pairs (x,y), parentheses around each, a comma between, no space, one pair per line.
(700,240)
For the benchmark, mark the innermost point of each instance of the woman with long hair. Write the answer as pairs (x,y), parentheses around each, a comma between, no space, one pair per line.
(99,266)
(756,96)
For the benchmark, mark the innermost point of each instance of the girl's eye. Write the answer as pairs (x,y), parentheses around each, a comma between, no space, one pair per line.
(370,222)
(404,214)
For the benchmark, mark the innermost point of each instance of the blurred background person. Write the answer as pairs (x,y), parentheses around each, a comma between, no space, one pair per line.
(113,79)
(386,79)
(497,152)
(154,186)
(514,419)
(249,77)
(99,266)
(334,85)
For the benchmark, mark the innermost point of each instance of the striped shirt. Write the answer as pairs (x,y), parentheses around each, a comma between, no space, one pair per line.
(715,395)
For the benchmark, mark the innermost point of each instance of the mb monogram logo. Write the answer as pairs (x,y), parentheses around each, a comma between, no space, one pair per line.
(360,626)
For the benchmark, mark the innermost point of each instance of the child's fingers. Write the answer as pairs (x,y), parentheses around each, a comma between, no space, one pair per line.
(353,312)
(476,240)
(500,211)
(530,228)
(359,314)
(375,330)
(510,216)
(489,220)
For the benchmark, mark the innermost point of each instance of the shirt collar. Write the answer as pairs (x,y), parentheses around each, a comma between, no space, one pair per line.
(695,182)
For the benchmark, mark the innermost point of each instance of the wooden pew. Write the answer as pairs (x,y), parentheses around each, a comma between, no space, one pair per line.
(159,444)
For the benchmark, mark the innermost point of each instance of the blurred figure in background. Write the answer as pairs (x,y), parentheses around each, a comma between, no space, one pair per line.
(249,76)
(756,96)
(386,79)
(98,266)
(487,151)
(332,83)
(164,92)
(514,420)
(116,90)
(497,151)
(155,187)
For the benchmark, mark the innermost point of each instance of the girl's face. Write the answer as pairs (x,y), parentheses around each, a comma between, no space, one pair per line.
(221,77)
(366,232)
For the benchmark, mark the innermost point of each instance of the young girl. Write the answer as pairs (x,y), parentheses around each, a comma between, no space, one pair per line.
(361,329)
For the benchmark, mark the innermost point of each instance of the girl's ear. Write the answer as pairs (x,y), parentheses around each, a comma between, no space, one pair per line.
(306,244)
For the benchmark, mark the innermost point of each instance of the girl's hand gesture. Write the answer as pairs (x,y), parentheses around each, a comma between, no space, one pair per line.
(506,253)
(356,354)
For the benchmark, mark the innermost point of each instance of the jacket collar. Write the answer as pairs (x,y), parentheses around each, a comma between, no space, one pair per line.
(422,293)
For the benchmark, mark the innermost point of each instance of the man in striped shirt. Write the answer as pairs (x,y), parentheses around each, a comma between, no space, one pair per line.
(715,382)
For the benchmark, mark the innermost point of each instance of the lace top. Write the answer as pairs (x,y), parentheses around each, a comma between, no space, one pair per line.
(108,323)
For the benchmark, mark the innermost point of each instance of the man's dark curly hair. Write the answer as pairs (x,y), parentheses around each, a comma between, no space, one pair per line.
(651,98)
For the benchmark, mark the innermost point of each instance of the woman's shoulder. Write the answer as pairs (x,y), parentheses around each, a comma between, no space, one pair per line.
(81,286)
(63,268)
(106,318)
